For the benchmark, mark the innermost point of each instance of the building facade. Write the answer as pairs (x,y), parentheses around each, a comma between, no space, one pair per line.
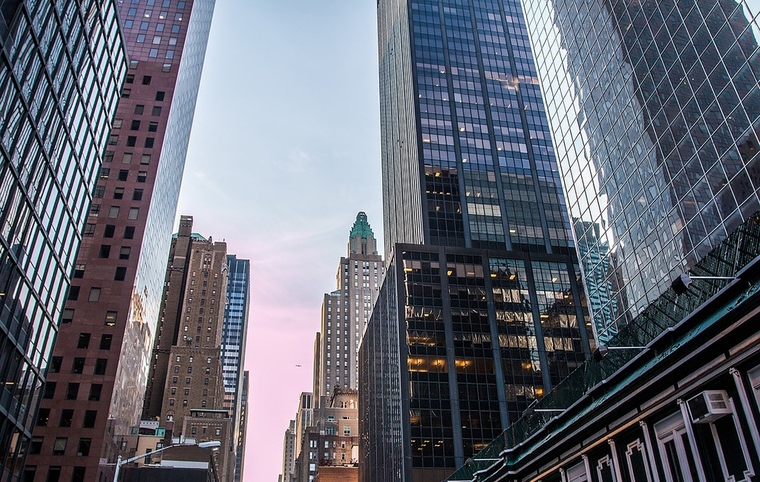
(682,402)
(481,311)
(346,310)
(654,110)
(109,321)
(234,332)
(61,68)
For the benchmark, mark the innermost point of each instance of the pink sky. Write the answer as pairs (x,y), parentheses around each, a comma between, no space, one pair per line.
(284,153)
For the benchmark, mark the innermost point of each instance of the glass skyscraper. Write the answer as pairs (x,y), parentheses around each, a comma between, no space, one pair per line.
(234,331)
(62,66)
(103,351)
(481,310)
(654,107)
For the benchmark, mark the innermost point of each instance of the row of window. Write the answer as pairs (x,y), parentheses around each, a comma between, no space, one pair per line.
(72,391)
(78,364)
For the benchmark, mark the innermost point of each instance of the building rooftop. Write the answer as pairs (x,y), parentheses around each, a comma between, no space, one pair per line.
(361,227)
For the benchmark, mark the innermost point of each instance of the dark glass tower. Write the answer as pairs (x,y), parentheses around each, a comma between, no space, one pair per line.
(61,68)
(103,350)
(481,311)
(655,107)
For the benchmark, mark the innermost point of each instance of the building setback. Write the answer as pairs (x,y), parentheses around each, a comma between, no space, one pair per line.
(102,353)
(654,107)
(346,310)
(61,68)
(481,311)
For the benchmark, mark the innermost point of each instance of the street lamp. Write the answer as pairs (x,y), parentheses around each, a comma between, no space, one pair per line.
(204,445)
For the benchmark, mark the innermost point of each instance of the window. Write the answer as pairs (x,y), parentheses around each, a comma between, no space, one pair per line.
(67,316)
(94,210)
(172,41)
(156,111)
(118,193)
(100,191)
(125,93)
(95,390)
(131,141)
(145,159)
(149,141)
(89,418)
(152,127)
(120,274)
(77,475)
(113,212)
(171,402)
(54,473)
(140,40)
(105,251)
(84,340)
(134,63)
(184,403)
(104,172)
(153,53)
(139,108)
(49,391)
(55,364)
(156,41)
(160,27)
(144,25)
(78,365)
(67,416)
(110,318)
(142,176)
(36,446)
(43,416)
(94,294)
(175,28)
(675,449)
(109,231)
(100,366)
(160,95)
(83,450)
(72,391)
(123,174)
(135,125)
(129,232)
(108,156)
(89,229)
(133,213)
(169,54)
(187,381)
(59,446)
(124,252)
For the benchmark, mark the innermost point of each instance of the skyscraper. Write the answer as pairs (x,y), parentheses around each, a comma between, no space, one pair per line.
(103,349)
(481,310)
(654,107)
(60,75)
(346,310)
(234,331)
(186,392)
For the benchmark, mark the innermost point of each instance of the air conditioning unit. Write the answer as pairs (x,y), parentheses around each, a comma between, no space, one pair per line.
(708,406)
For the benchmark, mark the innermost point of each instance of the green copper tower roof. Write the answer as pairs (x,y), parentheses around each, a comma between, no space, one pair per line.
(361,227)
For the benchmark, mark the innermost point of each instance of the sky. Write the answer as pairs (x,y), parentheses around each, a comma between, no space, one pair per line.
(284,152)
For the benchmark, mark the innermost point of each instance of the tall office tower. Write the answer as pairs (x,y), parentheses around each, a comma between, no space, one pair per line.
(654,107)
(346,310)
(62,66)
(234,331)
(481,310)
(103,349)
(289,453)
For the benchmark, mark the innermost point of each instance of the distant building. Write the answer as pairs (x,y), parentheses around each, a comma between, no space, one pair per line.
(234,332)
(186,387)
(346,310)
(289,453)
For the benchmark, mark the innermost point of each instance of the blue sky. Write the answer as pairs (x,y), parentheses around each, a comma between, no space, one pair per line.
(284,152)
